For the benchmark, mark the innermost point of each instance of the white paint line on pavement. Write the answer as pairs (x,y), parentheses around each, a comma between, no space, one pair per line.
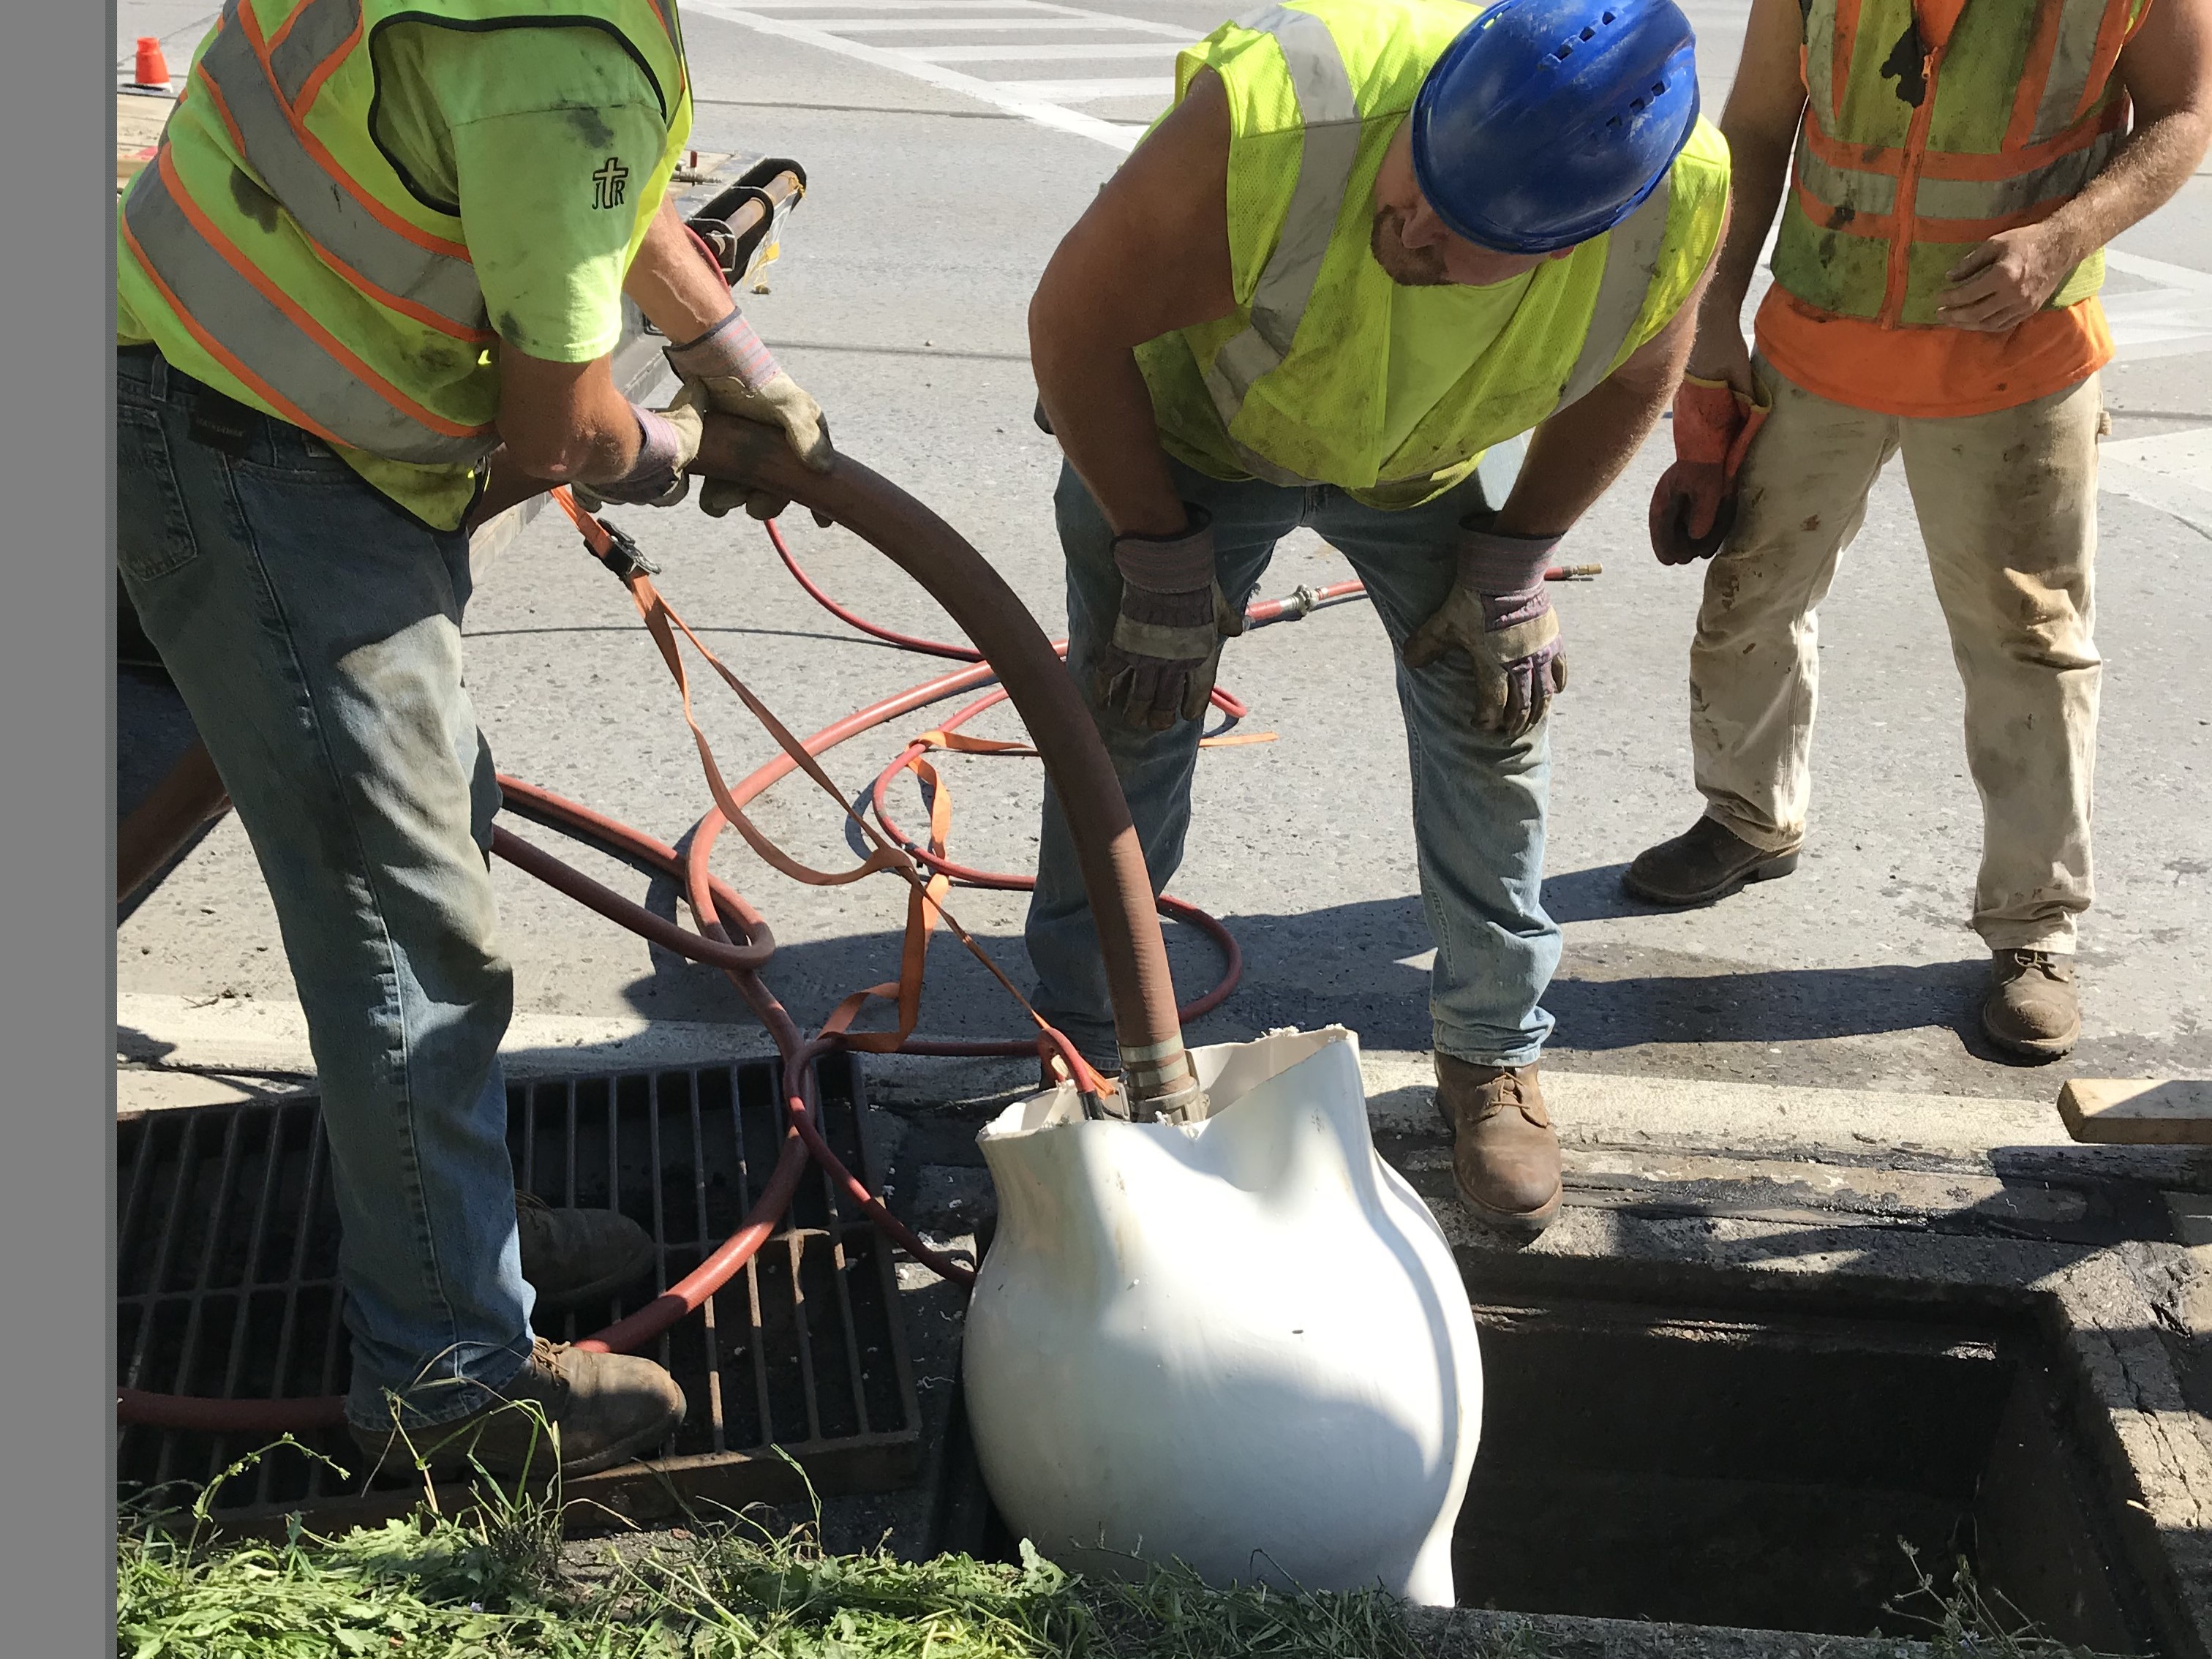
(2168,471)
(1079,92)
(1622,1110)
(780,7)
(1031,54)
(249,1034)
(1117,135)
(2187,277)
(243,1036)
(977,25)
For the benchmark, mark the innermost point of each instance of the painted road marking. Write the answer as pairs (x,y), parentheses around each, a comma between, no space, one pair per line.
(2173,318)
(1019,54)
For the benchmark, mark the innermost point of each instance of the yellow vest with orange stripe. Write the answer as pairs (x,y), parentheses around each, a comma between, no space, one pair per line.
(1908,157)
(313,280)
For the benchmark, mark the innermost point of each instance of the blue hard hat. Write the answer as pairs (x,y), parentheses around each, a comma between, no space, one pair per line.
(1548,121)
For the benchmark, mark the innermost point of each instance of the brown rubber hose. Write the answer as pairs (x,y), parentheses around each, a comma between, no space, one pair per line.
(1045,696)
(172,814)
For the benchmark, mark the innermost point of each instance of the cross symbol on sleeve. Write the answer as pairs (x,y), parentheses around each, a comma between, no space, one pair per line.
(608,184)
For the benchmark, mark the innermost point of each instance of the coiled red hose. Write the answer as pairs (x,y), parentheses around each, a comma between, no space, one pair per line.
(718,908)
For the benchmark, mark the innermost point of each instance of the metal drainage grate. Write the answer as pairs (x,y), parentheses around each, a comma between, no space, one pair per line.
(227,1284)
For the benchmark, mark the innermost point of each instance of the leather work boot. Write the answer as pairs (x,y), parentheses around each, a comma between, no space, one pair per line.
(2030,1008)
(572,1257)
(1707,862)
(1505,1158)
(602,1408)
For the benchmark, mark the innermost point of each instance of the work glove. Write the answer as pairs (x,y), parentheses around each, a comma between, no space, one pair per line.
(668,441)
(738,375)
(1694,508)
(1157,667)
(1499,612)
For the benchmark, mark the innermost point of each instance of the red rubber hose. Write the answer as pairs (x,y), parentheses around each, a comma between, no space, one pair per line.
(713,900)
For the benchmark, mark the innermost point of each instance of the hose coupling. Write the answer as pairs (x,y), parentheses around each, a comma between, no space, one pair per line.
(622,555)
(1303,599)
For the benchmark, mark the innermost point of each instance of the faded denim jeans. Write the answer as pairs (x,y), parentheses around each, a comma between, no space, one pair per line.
(314,631)
(1478,798)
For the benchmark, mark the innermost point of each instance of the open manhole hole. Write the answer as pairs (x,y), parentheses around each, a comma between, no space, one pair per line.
(226,1285)
(1761,1468)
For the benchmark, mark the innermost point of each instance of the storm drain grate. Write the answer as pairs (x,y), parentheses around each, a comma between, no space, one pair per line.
(227,1284)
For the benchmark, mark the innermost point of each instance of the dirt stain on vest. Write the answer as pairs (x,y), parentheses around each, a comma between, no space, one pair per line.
(255,202)
(1907,64)
(591,127)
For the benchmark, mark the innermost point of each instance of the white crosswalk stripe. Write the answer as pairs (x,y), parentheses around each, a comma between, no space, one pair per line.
(2157,309)
(925,38)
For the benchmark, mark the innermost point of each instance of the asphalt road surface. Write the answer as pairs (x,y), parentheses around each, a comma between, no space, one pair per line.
(949,142)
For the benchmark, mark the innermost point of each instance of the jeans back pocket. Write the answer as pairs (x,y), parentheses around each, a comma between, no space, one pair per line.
(153,531)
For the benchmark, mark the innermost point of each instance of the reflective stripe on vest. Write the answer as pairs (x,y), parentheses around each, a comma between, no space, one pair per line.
(427,278)
(1330,126)
(2074,56)
(1631,260)
(1328,117)
(246,322)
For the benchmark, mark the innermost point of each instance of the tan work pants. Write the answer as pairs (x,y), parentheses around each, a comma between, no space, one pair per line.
(2007,509)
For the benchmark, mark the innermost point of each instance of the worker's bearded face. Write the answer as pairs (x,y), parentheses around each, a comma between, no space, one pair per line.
(1416,248)
(1408,267)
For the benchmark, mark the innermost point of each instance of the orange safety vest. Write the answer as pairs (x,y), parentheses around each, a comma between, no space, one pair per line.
(1912,153)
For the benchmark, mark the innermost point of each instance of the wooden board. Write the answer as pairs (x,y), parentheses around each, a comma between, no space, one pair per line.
(2138,1111)
(138,123)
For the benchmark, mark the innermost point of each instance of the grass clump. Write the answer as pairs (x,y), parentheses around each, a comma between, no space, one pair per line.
(491,1583)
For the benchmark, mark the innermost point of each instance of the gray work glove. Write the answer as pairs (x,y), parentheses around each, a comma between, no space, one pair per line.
(1499,612)
(1157,667)
(668,441)
(738,375)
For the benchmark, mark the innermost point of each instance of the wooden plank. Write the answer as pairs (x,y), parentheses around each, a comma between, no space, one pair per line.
(138,123)
(2138,1111)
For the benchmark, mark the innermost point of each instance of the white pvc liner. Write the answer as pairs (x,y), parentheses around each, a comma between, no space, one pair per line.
(1240,1343)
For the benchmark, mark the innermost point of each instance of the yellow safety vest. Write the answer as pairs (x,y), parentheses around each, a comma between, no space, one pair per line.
(313,281)
(1907,159)
(1292,387)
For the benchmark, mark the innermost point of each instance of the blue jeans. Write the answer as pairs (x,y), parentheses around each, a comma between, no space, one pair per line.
(313,629)
(1478,798)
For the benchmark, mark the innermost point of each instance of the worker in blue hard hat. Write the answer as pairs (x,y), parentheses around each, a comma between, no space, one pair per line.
(1371,240)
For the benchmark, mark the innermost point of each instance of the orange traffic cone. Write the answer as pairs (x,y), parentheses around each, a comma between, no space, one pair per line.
(153,70)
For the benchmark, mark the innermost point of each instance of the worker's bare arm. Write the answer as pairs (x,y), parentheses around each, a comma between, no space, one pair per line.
(564,422)
(2167,71)
(1574,457)
(681,293)
(1764,106)
(1149,255)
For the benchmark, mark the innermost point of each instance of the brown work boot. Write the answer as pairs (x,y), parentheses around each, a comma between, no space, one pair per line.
(572,1257)
(601,1409)
(2030,1008)
(1505,1159)
(1708,862)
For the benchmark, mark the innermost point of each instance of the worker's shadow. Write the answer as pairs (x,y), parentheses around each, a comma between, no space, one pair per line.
(1366,965)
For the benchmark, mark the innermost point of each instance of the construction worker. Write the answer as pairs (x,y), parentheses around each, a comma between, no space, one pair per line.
(1958,169)
(381,238)
(1371,240)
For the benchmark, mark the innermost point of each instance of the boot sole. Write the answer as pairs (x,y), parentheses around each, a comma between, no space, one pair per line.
(1765,870)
